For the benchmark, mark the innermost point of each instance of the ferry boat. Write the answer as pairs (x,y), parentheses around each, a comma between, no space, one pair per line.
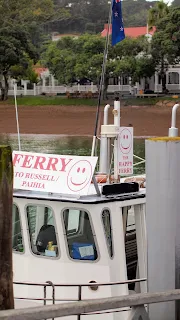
(79,234)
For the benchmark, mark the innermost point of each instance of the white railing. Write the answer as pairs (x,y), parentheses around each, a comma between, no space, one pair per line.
(38,90)
(92,306)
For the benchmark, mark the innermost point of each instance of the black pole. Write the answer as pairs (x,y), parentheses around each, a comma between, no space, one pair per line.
(103,71)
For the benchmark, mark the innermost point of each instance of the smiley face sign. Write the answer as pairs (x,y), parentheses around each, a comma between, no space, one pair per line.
(125,141)
(79,175)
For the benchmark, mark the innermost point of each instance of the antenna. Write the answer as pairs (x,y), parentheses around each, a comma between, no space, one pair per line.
(17,120)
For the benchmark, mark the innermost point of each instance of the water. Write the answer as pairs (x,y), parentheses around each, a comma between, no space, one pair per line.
(69,145)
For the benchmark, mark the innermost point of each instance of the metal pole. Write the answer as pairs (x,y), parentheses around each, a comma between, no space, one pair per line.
(173,131)
(17,120)
(103,167)
(79,299)
(116,123)
(102,80)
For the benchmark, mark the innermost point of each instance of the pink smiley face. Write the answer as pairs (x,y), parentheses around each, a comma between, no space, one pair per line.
(125,141)
(79,175)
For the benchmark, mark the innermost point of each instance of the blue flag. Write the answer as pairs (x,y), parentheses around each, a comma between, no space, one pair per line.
(117,22)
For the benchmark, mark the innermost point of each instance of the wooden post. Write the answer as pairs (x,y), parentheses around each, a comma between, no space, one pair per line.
(6,199)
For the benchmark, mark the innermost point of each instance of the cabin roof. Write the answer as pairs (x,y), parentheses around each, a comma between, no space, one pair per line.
(89,199)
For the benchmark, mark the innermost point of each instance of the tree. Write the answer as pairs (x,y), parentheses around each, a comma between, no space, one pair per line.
(72,59)
(159,11)
(24,71)
(22,26)
(166,43)
(91,15)
(15,47)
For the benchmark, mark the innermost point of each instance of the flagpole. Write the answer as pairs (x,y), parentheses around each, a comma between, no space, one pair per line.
(101,81)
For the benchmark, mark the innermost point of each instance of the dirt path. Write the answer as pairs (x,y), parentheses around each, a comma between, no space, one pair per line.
(80,120)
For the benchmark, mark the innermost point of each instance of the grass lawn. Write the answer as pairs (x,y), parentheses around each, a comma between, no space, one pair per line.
(63,101)
(147,101)
(47,101)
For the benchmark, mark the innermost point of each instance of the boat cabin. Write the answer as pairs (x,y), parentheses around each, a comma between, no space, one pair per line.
(92,239)
(78,236)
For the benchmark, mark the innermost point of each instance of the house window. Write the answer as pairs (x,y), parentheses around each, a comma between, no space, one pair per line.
(42,231)
(106,218)
(173,78)
(125,80)
(17,237)
(79,235)
(159,79)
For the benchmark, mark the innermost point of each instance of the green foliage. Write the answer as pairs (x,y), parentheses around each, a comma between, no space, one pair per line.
(90,16)
(14,43)
(166,41)
(22,26)
(24,70)
(73,59)
(159,11)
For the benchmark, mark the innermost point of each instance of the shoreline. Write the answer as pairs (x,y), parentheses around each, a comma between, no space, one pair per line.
(54,136)
(63,121)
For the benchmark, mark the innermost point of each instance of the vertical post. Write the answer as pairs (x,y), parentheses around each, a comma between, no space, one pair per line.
(79,299)
(17,120)
(163,222)
(52,82)
(119,84)
(25,88)
(43,84)
(34,87)
(156,83)
(103,163)
(6,194)
(141,238)
(44,295)
(116,123)
(92,87)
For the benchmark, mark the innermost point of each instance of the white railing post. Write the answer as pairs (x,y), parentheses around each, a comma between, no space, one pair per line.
(173,131)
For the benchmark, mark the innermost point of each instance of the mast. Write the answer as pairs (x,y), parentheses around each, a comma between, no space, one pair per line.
(101,81)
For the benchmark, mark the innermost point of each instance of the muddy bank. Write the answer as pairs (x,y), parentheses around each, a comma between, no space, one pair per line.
(80,120)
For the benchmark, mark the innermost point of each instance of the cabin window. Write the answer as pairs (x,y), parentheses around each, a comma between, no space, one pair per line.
(79,235)
(42,230)
(106,219)
(17,238)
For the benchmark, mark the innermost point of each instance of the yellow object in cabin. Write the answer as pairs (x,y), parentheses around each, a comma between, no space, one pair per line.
(50,246)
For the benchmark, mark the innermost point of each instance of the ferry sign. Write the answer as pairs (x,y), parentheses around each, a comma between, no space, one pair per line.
(125,151)
(53,173)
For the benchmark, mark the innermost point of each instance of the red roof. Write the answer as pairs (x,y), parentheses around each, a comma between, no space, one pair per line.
(39,70)
(132,32)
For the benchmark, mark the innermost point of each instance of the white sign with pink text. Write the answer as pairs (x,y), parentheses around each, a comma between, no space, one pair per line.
(125,151)
(53,173)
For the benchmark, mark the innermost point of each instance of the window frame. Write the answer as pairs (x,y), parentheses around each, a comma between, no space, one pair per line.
(112,238)
(28,231)
(93,233)
(23,242)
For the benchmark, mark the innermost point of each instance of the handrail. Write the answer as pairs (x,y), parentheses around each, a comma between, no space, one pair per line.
(88,306)
(80,284)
